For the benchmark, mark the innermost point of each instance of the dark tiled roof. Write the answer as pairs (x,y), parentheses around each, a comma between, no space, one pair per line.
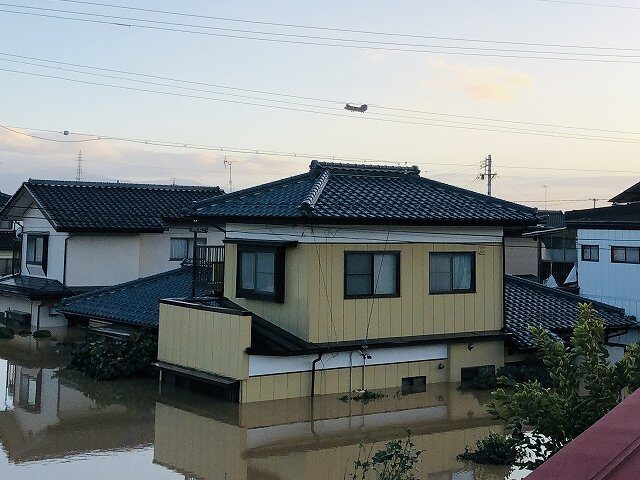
(112,207)
(614,216)
(529,303)
(366,193)
(4,198)
(7,240)
(631,194)
(33,287)
(132,303)
(551,218)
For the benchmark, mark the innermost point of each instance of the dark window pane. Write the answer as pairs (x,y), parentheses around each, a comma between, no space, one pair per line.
(618,254)
(633,255)
(358,284)
(359,263)
(440,272)
(248,273)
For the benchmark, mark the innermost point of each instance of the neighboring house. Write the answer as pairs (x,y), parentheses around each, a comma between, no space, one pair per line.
(545,251)
(7,242)
(529,303)
(345,277)
(77,236)
(130,304)
(607,450)
(609,251)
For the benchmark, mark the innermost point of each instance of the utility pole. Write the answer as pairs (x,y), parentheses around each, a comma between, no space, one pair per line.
(79,161)
(228,163)
(594,201)
(545,195)
(487,174)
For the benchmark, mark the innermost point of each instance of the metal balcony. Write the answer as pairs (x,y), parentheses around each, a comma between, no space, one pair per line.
(208,269)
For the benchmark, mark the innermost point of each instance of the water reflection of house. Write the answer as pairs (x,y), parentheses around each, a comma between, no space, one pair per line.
(46,416)
(298,438)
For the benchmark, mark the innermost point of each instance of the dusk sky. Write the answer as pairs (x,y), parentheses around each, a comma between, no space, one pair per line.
(600,95)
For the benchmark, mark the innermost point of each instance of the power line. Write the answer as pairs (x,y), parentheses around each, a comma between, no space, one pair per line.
(280,94)
(337,29)
(323,41)
(264,152)
(431,123)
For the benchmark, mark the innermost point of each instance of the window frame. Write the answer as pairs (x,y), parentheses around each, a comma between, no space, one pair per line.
(45,250)
(372,254)
(472,285)
(189,249)
(588,247)
(278,273)
(625,248)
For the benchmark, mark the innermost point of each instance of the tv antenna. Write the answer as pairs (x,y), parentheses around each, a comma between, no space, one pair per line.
(229,163)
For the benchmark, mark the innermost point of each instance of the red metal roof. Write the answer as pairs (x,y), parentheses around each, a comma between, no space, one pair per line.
(608,450)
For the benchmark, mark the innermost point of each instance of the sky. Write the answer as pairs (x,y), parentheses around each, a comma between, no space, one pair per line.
(446,144)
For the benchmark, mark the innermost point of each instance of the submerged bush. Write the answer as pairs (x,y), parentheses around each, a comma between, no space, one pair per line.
(109,359)
(42,334)
(363,396)
(495,449)
(6,333)
(396,461)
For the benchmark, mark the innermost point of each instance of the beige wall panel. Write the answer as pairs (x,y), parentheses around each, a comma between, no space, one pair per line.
(483,353)
(207,341)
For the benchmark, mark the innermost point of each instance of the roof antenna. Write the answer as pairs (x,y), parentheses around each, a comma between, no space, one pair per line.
(79,161)
(229,163)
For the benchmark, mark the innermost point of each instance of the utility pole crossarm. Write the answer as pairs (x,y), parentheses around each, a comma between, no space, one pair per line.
(487,174)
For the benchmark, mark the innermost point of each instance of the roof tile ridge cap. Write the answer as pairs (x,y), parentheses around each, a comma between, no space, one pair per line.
(130,185)
(561,292)
(120,286)
(309,202)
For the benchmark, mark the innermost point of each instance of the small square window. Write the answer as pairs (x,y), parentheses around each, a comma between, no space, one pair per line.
(452,272)
(414,385)
(260,273)
(371,274)
(590,253)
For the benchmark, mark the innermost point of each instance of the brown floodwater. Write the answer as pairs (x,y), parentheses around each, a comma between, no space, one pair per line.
(60,424)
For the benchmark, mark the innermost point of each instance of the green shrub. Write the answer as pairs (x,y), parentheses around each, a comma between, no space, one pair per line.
(526,371)
(494,449)
(39,334)
(109,359)
(364,396)
(6,333)
(396,461)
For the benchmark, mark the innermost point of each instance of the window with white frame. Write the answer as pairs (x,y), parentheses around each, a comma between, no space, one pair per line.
(453,272)
(37,250)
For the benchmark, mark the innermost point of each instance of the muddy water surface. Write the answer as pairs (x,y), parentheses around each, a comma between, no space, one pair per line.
(58,424)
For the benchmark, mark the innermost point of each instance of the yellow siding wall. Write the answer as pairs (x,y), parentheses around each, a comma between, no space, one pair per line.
(293,314)
(378,377)
(482,353)
(415,312)
(315,308)
(204,340)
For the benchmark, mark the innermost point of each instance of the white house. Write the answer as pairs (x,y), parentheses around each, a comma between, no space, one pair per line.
(77,236)
(608,241)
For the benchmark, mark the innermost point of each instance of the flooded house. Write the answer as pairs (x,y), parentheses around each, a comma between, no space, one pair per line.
(346,277)
(78,236)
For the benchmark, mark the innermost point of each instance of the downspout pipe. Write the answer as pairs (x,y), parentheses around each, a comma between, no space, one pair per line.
(313,373)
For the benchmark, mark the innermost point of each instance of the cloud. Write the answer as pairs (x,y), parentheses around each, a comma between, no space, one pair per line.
(481,82)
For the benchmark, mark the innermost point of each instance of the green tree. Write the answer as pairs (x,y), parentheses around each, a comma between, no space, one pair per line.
(396,461)
(584,387)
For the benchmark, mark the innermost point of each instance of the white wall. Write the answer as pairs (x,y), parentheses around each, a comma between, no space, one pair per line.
(24,305)
(34,222)
(613,283)
(520,256)
(155,248)
(102,259)
(365,234)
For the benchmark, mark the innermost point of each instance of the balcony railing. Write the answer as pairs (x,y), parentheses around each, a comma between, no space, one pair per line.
(208,268)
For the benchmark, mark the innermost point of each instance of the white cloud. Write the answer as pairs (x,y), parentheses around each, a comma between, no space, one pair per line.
(481,82)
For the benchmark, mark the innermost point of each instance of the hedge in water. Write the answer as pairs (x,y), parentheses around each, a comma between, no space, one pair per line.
(109,359)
